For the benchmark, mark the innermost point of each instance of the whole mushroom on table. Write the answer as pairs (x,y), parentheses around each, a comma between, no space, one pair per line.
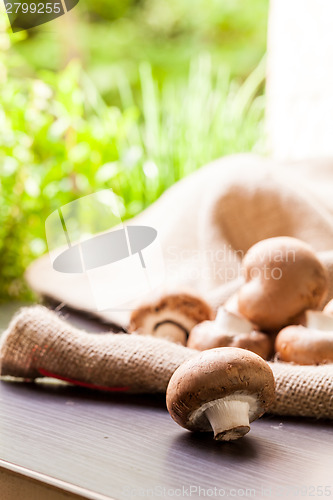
(221,390)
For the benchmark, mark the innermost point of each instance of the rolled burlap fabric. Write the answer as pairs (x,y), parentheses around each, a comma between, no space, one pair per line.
(38,343)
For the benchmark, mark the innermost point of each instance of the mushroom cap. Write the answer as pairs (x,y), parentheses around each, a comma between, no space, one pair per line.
(180,311)
(284,277)
(304,346)
(216,374)
(208,335)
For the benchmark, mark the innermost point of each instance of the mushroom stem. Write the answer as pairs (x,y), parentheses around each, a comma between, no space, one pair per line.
(229,419)
(232,323)
(317,320)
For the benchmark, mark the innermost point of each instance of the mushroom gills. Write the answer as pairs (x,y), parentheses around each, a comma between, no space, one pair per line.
(229,417)
(171,330)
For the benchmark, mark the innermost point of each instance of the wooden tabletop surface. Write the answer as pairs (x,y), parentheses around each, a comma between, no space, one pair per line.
(121,446)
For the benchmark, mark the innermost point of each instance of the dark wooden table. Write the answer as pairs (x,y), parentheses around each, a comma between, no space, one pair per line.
(93,445)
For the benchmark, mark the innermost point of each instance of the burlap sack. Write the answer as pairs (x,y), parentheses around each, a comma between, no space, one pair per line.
(38,343)
(206,223)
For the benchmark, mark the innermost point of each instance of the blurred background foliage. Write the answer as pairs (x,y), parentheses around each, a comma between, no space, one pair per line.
(129,95)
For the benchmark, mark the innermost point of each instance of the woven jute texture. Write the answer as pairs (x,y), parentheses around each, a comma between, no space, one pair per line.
(38,342)
(304,391)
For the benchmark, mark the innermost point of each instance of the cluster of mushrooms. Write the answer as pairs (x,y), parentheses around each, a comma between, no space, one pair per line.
(277,312)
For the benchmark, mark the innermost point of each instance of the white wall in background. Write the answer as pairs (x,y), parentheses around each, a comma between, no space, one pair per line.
(300,79)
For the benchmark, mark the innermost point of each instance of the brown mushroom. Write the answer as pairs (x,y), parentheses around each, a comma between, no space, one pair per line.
(221,389)
(307,345)
(172,317)
(229,330)
(283,277)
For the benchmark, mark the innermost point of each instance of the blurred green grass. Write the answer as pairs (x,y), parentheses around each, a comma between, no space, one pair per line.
(108,35)
(63,134)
